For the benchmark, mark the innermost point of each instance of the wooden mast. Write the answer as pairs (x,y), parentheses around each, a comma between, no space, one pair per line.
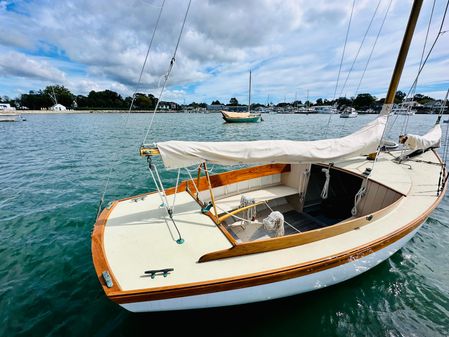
(249,93)
(389,100)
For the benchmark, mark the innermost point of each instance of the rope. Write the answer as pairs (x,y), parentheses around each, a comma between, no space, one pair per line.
(193,182)
(301,187)
(167,75)
(325,190)
(359,195)
(266,203)
(255,222)
(176,190)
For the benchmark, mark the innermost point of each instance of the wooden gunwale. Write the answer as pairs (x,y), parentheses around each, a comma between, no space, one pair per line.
(271,276)
(98,253)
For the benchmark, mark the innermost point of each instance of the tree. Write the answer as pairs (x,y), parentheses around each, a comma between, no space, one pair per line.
(35,100)
(233,101)
(343,102)
(217,102)
(364,101)
(59,94)
(399,97)
(319,101)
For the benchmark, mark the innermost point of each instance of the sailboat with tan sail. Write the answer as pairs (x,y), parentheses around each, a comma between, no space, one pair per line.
(243,117)
(301,216)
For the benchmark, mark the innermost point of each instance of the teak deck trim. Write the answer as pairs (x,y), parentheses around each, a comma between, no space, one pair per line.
(271,276)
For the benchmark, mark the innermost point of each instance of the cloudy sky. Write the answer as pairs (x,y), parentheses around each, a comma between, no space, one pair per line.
(294,47)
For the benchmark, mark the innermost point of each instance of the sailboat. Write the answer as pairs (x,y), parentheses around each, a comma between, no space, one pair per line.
(301,216)
(243,117)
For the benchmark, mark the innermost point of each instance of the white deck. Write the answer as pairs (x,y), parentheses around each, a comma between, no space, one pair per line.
(139,236)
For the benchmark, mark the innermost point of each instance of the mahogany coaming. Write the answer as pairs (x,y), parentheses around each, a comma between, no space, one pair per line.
(293,240)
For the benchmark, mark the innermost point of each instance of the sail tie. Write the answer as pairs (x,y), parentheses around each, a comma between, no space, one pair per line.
(325,191)
(362,191)
(302,187)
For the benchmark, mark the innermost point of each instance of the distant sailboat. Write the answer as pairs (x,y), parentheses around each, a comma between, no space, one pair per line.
(243,117)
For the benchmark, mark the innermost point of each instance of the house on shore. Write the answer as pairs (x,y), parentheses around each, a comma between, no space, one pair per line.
(58,107)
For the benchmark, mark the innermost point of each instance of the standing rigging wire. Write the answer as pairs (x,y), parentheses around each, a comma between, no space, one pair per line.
(360,47)
(146,59)
(372,49)
(357,55)
(443,172)
(167,75)
(344,48)
(341,63)
(440,32)
(130,107)
(403,129)
(412,90)
(413,87)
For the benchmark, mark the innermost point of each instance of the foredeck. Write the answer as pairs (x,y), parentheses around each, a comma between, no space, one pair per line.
(139,236)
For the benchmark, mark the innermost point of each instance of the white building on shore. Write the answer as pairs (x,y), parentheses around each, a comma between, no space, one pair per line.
(58,107)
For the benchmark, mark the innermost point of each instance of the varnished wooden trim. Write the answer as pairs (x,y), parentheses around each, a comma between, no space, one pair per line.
(98,253)
(231,177)
(234,212)
(267,245)
(271,276)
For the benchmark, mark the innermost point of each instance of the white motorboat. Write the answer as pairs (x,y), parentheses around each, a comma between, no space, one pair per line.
(349,112)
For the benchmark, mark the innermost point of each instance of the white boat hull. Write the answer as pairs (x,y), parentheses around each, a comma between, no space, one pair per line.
(274,290)
(9,118)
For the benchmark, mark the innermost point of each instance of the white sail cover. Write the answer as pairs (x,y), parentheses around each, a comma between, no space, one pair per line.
(177,154)
(429,140)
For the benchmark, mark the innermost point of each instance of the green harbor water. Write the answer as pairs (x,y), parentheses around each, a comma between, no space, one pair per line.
(53,169)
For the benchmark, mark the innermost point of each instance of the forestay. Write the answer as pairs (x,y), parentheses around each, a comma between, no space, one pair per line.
(177,154)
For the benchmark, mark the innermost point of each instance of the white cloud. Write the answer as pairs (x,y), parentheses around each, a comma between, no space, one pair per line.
(20,65)
(293,46)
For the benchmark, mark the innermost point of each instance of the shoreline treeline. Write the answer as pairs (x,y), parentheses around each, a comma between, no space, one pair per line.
(111,100)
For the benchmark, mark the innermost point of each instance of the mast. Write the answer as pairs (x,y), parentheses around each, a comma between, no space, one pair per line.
(389,100)
(249,93)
